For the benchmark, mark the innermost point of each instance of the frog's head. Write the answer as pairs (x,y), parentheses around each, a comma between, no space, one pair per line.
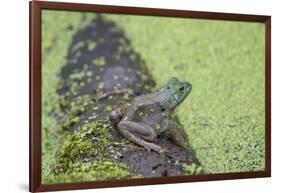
(175,92)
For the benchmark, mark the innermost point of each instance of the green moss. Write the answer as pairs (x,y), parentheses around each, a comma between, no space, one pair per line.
(69,122)
(102,169)
(92,140)
(81,144)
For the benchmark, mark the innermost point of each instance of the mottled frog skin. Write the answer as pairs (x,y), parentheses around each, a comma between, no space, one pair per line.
(151,114)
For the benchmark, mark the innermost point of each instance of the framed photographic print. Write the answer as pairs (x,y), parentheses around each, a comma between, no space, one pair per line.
(123,96)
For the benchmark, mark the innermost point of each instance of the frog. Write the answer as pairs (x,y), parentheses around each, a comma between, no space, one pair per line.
(150,115)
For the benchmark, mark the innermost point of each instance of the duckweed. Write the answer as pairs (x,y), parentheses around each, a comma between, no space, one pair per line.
(99,61)
(224,62)
(193,169)
(223,116)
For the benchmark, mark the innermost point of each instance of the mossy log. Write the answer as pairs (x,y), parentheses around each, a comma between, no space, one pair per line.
(103,72)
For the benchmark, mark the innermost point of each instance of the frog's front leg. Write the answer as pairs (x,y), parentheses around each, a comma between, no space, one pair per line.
(140,134)
(177,134)
(116,116)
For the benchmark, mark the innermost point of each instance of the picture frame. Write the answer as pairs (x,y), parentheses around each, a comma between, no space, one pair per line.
(35,152)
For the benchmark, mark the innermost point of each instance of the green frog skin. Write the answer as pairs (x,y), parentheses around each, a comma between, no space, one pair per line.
(151,114)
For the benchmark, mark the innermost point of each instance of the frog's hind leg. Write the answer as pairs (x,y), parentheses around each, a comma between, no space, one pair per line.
(140,134)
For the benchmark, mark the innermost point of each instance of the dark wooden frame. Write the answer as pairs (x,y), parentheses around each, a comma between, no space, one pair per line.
(35,8)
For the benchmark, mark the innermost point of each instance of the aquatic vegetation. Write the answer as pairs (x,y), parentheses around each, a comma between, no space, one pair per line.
(193,169)
(223,117)
(55,42)
(81,156)
(102,169)
(224,61)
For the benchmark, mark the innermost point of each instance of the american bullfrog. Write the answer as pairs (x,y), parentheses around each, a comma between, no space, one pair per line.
(151,114)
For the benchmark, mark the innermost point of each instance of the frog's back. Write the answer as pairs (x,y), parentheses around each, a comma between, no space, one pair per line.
(147,109)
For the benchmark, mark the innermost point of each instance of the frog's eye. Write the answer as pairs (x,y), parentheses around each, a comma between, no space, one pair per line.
(181,89)
(168,87)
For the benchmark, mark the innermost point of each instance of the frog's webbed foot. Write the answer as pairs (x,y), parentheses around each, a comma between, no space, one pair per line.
(140,134)
(151,146)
